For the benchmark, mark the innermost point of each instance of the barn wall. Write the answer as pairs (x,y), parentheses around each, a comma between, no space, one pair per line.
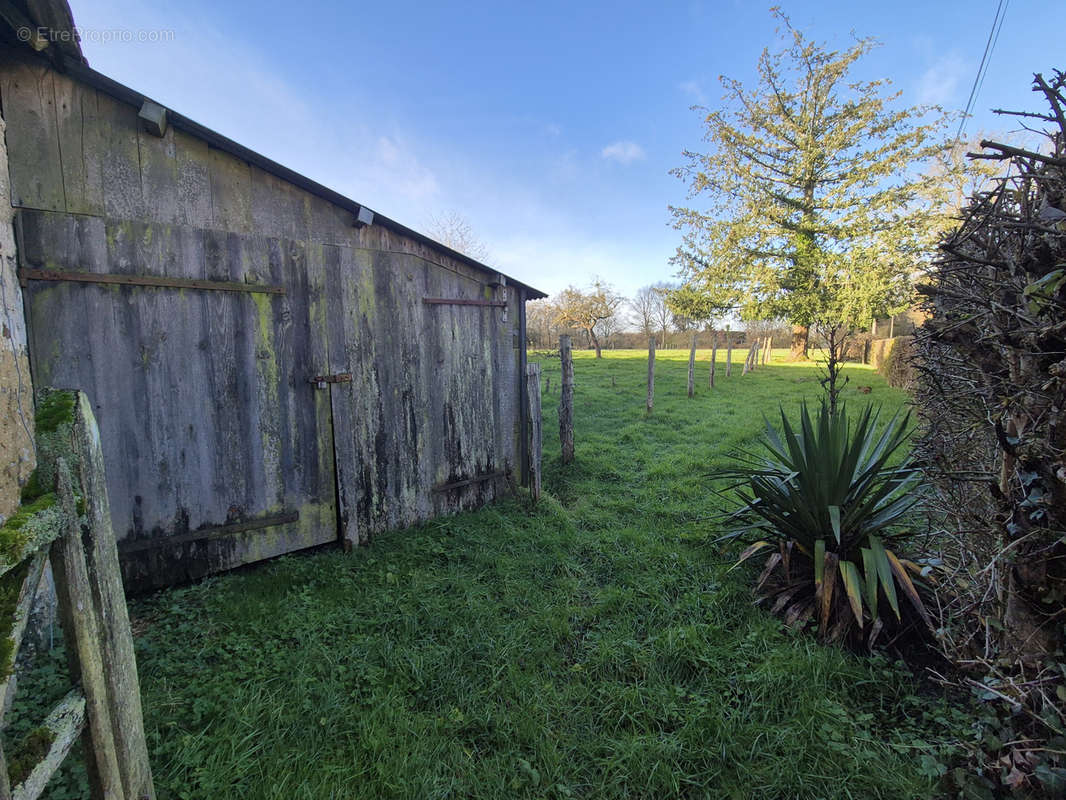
(203,400)
(17,458)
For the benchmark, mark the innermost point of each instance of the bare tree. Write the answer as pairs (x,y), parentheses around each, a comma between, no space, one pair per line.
(664,317)
(541,327)
(644,308)
(588,310)
(454,230)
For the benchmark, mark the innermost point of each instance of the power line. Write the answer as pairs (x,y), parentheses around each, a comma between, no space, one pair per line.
(982,68)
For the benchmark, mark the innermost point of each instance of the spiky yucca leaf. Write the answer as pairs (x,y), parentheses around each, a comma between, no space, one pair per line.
(835,492)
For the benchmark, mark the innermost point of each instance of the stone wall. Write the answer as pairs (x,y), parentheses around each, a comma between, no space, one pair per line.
(17,458)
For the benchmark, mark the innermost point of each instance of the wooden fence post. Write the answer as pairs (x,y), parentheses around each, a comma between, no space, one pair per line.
(766,350)
(566,400)
(714,358)
(728,353)
(535,441)
(692,366)
(651,376)
(749,360)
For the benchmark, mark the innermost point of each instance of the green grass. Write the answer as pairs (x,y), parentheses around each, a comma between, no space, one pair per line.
(592,646)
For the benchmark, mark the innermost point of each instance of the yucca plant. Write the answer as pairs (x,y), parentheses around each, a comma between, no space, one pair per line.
(828,499)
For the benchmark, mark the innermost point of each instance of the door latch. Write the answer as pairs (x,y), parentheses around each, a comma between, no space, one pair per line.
(322,381)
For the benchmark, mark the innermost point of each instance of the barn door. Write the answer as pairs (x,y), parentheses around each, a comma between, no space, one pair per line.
(423,426)
(340,382)
(190,342)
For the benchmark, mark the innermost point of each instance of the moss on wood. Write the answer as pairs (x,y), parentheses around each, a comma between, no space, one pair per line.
(10,589)
(54,408)
(29,752)
(29,524)
(55,439)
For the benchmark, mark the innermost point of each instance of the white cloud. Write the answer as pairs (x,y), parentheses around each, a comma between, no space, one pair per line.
(940,83)
(624,152)
(693,90)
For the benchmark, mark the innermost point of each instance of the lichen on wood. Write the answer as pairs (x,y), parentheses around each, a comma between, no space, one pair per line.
(29,529)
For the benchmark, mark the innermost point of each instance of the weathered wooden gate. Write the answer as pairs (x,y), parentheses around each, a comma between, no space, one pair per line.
(197,348)
(418,428)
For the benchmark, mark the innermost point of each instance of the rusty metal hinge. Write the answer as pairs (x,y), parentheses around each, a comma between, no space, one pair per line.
(321,381)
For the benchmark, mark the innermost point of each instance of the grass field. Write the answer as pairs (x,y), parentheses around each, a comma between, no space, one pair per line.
(592,646)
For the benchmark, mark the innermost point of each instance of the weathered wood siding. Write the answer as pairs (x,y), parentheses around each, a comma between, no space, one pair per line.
(203,397)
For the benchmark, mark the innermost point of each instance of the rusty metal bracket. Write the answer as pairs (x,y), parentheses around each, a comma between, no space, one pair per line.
(486,476)
(26,275)
(320,381)
(460,301)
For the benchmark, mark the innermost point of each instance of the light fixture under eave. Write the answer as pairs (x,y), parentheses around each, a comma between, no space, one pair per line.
(153,118)
(364,218)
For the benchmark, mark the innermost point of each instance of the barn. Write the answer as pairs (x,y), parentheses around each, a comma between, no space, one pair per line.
(273,365)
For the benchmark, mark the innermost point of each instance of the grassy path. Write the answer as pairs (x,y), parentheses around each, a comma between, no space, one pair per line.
(593,646)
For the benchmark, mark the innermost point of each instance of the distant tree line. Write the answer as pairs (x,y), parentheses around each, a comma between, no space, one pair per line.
(598,317)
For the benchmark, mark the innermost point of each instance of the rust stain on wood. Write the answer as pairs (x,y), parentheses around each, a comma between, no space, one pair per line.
(26,275)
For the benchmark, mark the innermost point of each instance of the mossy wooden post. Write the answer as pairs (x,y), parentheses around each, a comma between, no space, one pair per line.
(728,353)
(120,665)
(535,440)
(651,376)
(714,358)
(96,623)
(692,365)
(78,618)
(566,400)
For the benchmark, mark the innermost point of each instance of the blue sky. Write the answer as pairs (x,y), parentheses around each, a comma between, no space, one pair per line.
(550,126)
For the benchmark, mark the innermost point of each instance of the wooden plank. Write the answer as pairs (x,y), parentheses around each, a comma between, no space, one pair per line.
(27,594)
(26,275)
(66,723)
(279,209)
(345,425)
(82,635)
(28,96)
(81,141)
(122,688)
(535,439)
(459,301)
(175,178)
(119,156)
(231,193)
